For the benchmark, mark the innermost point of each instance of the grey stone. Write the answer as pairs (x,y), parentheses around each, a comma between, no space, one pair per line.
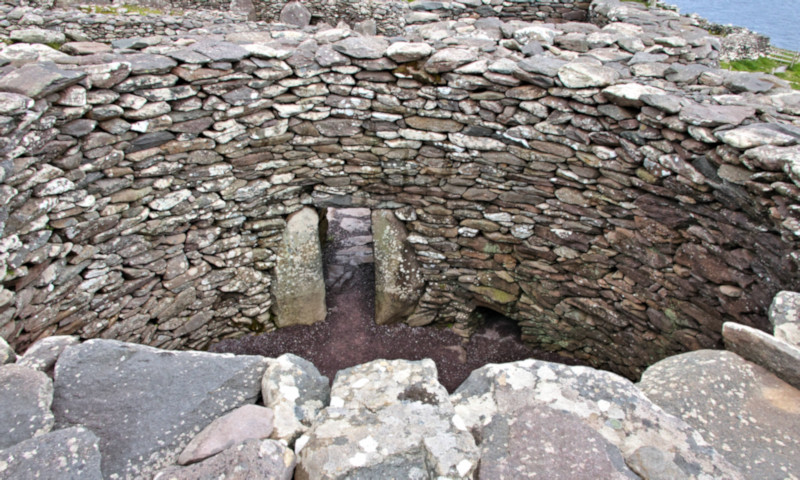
(586,74)
(38,80)
(738,407)
(652,463)
(37,35)
(68,453)
(248,422)
(362,47)
(299,287)
(739,82)
(85,48)
(25,398)
(7,354)
(221,51)
(784,314)
(398,275)
(542,65)
(715,115)
(261,459)
(525,446)
(295,13)
(448,59)
(43,354)
(402,52)
(606,403)
(630,94)
(671,104)
(294,389)
(777,356)
(338,127)
(145,63)
(758,134)
(22,53)
(158,402)
(358,435)
(14,104)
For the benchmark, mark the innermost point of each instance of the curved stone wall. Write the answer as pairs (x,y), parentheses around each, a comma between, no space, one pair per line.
(618,203)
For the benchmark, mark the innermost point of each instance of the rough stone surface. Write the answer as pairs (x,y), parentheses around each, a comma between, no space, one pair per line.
(491,400)
(735,405)
(25,398)
(43,354)
(248,422)
(299,286)
(68,453)
(777,356)
(356,436)
(7,354)
(398,279)
(784,313)
(294,389)
(158,401)
(294,13)
(38,80)
(267,459)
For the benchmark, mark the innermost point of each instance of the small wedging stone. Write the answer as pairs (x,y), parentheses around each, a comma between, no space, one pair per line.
(739,407)
(758,134)
(294,389)
(784,314)
(159,399)
(248,422)
(586,74)
(388,419)
(25,398)
(7,354)
(253,459)
(68,453)
(777,356)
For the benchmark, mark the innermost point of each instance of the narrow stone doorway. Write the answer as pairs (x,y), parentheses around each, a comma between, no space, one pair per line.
(348,259)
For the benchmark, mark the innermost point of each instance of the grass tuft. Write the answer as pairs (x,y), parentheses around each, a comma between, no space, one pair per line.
(766,65)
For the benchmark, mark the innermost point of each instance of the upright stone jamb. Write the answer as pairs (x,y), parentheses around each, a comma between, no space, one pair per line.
(299,284)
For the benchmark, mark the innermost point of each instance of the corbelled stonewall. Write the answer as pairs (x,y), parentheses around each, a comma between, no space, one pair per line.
(601,183)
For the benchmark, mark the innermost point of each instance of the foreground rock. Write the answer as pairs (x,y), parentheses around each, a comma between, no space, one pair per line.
(387,419)
(25,398)
(745,412)
(774,354)
(146,404)
(522,411)
(69,453)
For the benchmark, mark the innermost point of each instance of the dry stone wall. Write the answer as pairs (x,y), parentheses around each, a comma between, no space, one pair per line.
(592,183)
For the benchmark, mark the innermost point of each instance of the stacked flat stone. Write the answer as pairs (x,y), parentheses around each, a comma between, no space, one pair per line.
(617,200)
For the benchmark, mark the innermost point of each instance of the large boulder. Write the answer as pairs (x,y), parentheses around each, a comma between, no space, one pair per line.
(387,419)
(605,417)
(299,286)
(744,411)
(25,398)
(398,276)
(146,404)
(68,453)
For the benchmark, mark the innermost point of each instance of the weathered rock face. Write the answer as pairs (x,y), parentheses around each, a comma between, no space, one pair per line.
(357,435)
(398,277)
(784,314)
(618,222)
(780,357)
(25,398)
(299,287)
(66,453)
(612,429)
(735,405)
(144,404)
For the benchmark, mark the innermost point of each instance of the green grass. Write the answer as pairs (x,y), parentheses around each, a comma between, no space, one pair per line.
(127,8)
(763,64)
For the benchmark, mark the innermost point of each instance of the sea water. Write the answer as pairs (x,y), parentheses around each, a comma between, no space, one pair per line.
(777,19)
